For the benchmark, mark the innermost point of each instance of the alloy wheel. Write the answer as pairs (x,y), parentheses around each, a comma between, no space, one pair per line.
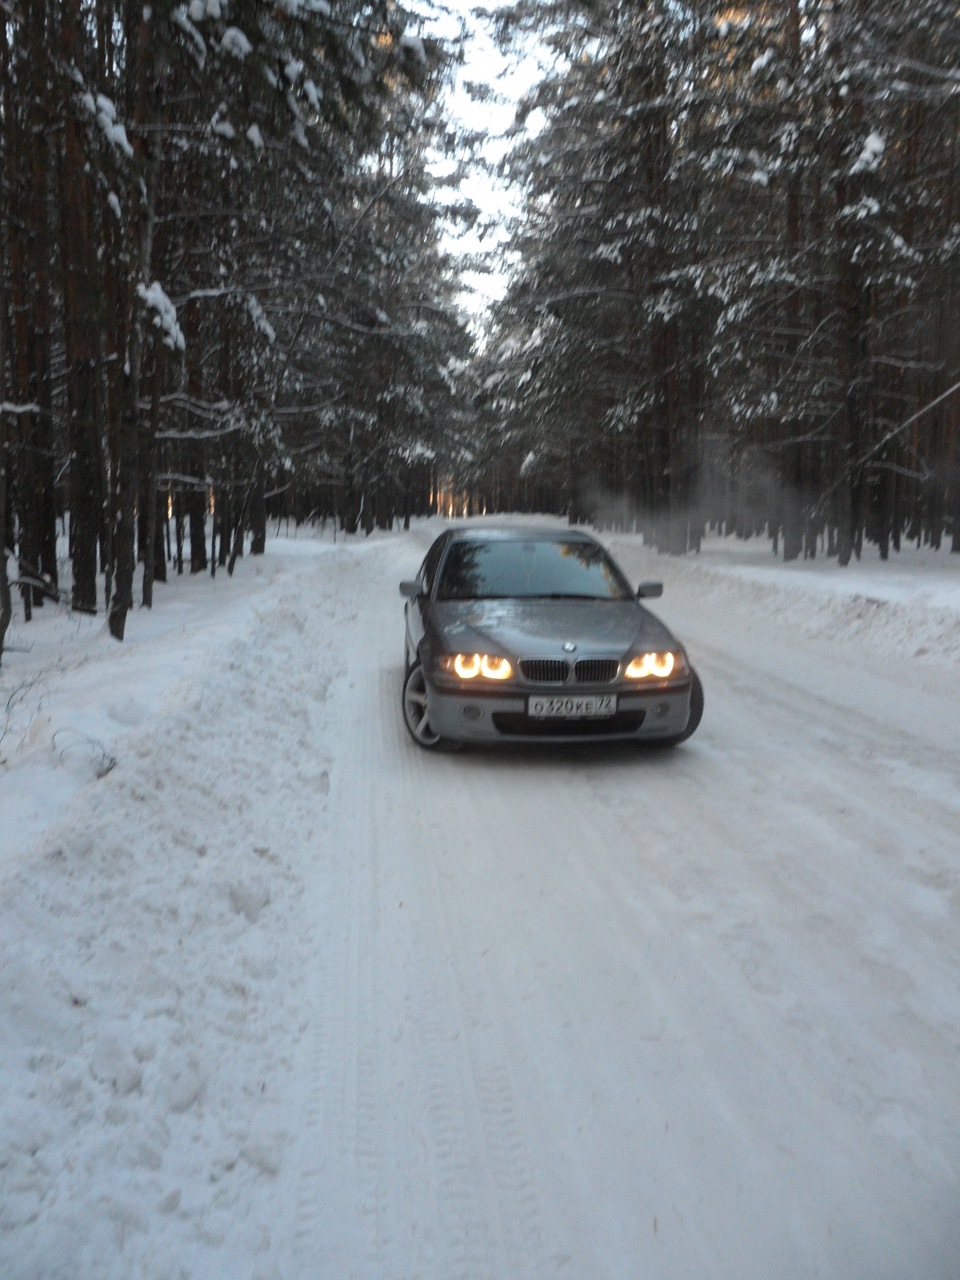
(415,708)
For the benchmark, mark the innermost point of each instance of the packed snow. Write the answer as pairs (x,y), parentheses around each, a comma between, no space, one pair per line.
(283,996)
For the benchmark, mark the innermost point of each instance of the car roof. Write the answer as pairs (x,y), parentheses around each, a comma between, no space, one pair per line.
(517,533)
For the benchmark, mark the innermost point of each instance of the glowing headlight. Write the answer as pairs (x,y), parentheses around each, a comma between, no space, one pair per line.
(656,666)
(470,665)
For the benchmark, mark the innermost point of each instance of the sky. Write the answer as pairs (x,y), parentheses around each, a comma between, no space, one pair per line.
(510,76)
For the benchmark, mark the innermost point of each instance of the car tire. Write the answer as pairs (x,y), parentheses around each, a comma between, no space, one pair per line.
(414,704)
(696,714)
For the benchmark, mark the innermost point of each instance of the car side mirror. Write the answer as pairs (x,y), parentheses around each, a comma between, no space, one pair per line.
(410,589)
(649,590)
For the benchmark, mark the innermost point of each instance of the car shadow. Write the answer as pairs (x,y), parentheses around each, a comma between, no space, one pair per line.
(582,755)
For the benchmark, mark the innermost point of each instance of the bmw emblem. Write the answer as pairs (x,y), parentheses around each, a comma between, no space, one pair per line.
(569,647)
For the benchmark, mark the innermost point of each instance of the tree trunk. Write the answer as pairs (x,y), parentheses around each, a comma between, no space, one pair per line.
(22,454)
(127,486)
(6,605)
(178,529)
(214,528)
(80,326)
(44,470)
(853,347)
(161,540)
(791,468)
(197,516)
(258,516)
(85,476)
(148,493)
(147,98)
(225,505)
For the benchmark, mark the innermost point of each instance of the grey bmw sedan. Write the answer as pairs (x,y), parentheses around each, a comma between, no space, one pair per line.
(515,634)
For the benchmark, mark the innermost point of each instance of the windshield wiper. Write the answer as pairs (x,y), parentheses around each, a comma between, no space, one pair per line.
(567,595)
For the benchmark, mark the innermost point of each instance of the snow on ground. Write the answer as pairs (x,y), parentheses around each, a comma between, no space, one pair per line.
(282,996)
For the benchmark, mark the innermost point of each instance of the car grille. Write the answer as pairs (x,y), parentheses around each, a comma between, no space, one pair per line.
(557,670)
(596,670)
(544,670)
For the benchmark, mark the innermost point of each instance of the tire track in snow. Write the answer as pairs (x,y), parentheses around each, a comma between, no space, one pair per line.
(507,1167)
(428,1215)
(320,1244)
(495,1155)
(420,1167)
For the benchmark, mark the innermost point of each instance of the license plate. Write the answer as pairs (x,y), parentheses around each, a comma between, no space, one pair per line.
(571,707)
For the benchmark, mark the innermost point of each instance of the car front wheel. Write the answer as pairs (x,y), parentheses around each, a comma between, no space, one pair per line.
(415,710)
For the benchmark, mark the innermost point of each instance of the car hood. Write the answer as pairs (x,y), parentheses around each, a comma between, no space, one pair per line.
(540,628)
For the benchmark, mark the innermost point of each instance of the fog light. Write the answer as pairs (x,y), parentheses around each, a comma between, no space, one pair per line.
(662,709)
(472,713)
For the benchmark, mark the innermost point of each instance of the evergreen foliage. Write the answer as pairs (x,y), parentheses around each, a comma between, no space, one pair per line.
(222,291)
(737,268)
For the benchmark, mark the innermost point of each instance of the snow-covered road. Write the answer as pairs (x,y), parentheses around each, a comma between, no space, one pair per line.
(283,996)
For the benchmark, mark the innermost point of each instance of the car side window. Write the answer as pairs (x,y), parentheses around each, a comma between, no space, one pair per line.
(428,570)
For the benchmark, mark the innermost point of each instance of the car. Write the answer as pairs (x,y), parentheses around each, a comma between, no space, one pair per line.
(530,634)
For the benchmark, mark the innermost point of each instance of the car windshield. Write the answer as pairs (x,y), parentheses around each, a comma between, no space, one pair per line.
(559,568)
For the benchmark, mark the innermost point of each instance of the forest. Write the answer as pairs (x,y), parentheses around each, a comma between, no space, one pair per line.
(231,289)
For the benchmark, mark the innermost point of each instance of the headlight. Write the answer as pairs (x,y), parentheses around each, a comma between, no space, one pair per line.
(470,665)
(654,666)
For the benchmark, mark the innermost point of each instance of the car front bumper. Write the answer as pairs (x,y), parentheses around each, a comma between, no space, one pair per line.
(485,716)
